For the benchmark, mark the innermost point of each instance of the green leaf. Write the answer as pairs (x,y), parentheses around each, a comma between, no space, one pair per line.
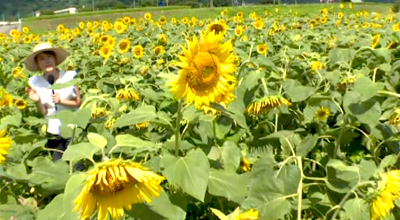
(341,55)
(166,208)
(52,176)
(388,161)
(139,115)
(127,140)
(72,189)
(53,210)
(14,119)
(367,112)
(366,88)
(190,172)
(229,155)
(228,184)
(97,140)
(76,152)
(356,209)
(17,172)
(306,145)
(341,178)
(297,92)
(290,176)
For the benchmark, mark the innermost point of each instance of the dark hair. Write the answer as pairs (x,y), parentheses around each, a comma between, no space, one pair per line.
(48,52)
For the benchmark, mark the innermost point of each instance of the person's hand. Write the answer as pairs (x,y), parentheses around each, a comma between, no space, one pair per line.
(32,94)
(56,98)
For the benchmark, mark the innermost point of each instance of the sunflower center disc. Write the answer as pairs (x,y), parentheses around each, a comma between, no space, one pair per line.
(203,71)
(217,28)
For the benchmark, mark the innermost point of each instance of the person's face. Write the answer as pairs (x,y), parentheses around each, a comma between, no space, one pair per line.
(46,62)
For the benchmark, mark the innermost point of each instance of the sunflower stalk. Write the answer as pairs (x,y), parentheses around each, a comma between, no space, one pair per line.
(178,127)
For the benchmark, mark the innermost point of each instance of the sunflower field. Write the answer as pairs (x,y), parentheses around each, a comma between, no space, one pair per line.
(244,116)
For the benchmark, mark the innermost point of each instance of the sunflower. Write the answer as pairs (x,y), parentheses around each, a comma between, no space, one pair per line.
(395,117)
(81,25)
(5,144)
(173,20)
(389,191)
(192,23)
(322,113)
(375,40)
(96,38)
(224,12)
(163,19)
(259,24)
(104,39)
(60,28)
(238,31)
(126,20)
(124,45)
(249,215)
(392,45)
(120,27)
(106,51)
(341,5)
(98,112)
(185,20)
(138,51)
(147,16)
(265,104)
(25,30)
(201,23)
(276,10)
(324,11)
(262,48)
(396,27)
(366,14)
(113,186)
(109,123)
(127,94)
(317,65)
(324,19)
(159,50)
(162,38)
(111,41)
(18,73)
(351,5)
(141,125)
(245,165)
(6,100)
(76,31)
(340,15)
(206,72)
(218,28)
(21,104)
(240,14)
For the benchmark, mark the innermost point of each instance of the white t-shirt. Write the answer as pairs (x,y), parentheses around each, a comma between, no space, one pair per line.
(41,86)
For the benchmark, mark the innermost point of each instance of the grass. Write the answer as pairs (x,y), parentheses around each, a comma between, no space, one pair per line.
(49,23)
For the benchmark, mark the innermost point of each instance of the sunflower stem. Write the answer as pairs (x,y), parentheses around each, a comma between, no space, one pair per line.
(214,132)
(300,188)
(265,86)
(178,127)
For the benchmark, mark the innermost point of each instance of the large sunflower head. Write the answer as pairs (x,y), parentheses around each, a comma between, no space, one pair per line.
(206,74)
(120,27)
(113,186)
(218,28)
(138,51)
(5,144)
(387,193)
(124,45)
(106,50)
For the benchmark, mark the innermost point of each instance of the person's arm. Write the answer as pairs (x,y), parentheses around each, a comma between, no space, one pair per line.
(76,102)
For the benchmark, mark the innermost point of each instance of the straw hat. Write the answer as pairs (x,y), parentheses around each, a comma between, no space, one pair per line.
(30,61)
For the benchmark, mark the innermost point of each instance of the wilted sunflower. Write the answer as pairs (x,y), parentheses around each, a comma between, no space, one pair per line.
(106,51)
(259,24)
(249,215)
(375,40)
(5,144)
(141,125)
(159,50)
(262,48)
(124,45)
(114,186)
(389,191)
(138,51)
(127,94)
(206,74)
(109,123)
(147,16)
(322,113)
(265,104)
(98,112)
(21,104)
(18,73)
(217,27)
(120,27)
